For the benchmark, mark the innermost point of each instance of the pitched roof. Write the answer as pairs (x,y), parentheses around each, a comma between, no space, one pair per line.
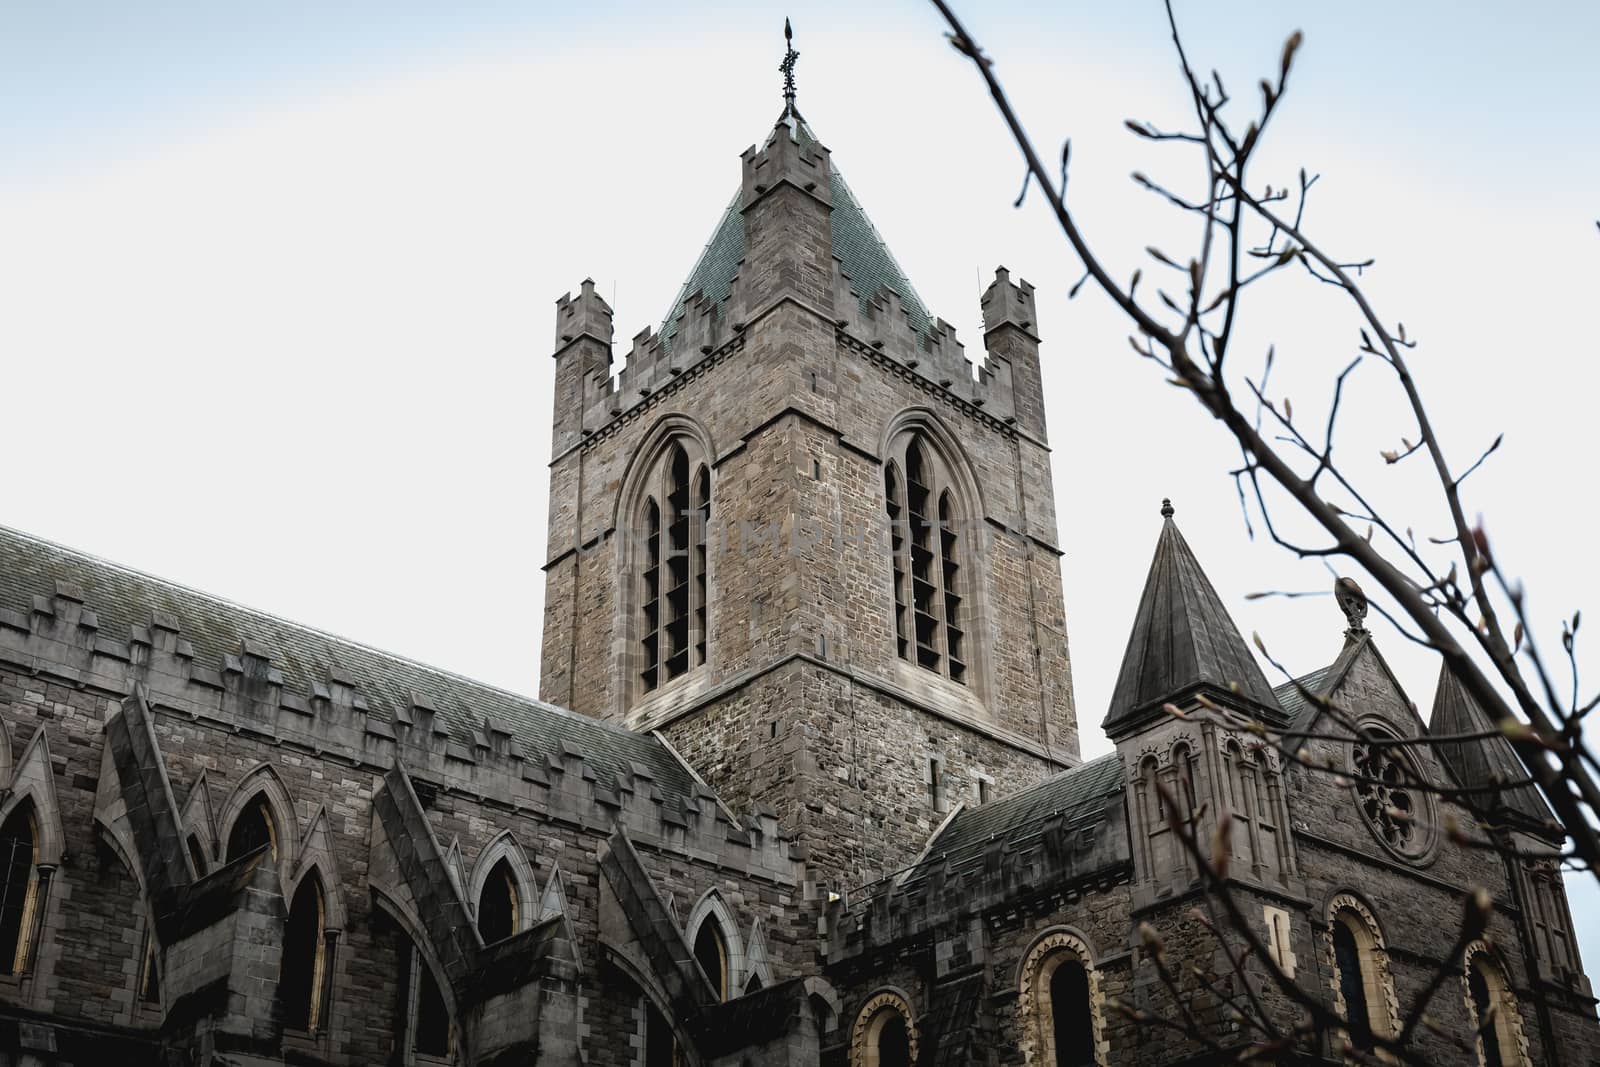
(1078,795)
(1487,762)
(1301,710)
(1183,641)
(863,256)
(123,599)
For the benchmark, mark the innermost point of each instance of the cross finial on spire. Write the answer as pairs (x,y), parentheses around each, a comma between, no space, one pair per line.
(787,67)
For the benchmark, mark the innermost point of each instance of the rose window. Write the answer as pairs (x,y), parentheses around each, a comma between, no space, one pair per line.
(1386,789)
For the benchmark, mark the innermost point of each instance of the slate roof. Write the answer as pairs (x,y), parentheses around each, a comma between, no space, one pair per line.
(1302,712)
(1183,640)
(123,599)
(1078,795)
(863,256)
(1484,763)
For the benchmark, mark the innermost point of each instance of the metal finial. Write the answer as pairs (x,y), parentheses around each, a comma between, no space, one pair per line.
(1353,602)
(787,67)
(1166,508)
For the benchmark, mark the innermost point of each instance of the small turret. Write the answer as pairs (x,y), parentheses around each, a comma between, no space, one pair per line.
(582,354)
(1011,336)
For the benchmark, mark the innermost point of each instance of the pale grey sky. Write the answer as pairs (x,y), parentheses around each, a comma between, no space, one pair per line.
(277,280)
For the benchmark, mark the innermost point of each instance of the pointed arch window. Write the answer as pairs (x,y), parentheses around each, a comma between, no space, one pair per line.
(498,904)
(252,829)
(927,545)
(671,566)
(711,952)
(427,1017)
(1362,986)
(19,892)
(1496,1019)
(302,973)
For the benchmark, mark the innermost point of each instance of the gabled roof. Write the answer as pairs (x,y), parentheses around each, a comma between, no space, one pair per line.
(124,599)
(1078,795)
(1183,642)
(1302,711)
(862,255)
(1487,762)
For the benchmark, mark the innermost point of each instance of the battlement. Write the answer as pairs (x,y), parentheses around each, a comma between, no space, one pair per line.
(1067,856)
(370,710)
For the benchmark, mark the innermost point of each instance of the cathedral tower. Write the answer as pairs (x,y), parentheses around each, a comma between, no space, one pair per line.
(801,538)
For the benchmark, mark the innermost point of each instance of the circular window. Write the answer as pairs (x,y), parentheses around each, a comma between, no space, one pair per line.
(1389,792)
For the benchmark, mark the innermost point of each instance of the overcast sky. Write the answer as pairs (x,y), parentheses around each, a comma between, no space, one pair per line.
(277,280)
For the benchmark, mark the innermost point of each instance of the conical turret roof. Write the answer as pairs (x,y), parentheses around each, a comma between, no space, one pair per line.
(1490,761)
(1184,642)
(862,255)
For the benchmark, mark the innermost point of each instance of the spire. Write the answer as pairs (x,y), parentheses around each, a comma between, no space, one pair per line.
(790,57)
(863,256)
(1183,642)
(1487,762)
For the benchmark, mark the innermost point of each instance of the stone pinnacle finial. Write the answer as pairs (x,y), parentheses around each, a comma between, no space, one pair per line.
(1166,508)
(787,67)
(1353,602)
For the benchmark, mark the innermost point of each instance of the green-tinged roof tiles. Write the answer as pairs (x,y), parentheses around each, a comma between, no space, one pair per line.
(862,254)
(123,599)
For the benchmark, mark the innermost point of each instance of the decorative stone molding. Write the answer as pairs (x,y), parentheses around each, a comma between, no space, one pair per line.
(1507,1030)
(1386,780)
(504,847)
(1036,1013)
(870,1020)
(1376,977)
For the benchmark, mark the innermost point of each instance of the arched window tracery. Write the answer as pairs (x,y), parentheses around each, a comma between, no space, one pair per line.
(930,530)
(670,564)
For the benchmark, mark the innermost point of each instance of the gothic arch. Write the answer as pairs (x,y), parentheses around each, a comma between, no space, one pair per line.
(1510,1042)
(412,927)
(316,855)
(504,847)
(1349,910)
(198,821)
(938,536)
(712,908)
(825,1004)
(665,569)
(948,447)
(263,780)
(651,990)
(1036,1009)
(880,1005)
(34,779)
(651,447)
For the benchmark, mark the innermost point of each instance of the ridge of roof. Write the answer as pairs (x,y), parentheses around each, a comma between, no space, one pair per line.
(32,566)
(1075,794)
(863,255)
(1487,762)
(1183,641)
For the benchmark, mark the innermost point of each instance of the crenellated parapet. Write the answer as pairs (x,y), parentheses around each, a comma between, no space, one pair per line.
(1065,854)
(371,710)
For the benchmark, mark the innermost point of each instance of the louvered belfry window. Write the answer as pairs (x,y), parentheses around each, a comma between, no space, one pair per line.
(926,527)
(672,569)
